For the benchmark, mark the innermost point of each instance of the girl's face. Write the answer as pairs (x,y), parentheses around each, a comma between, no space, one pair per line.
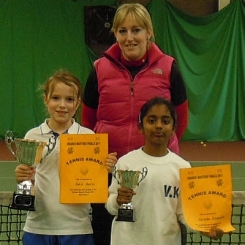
(132,39)
(157,128)
(62,104)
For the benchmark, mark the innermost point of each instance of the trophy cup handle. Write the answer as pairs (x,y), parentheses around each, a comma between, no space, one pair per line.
(50,145)
(9,139)
(143,174)
(114,174)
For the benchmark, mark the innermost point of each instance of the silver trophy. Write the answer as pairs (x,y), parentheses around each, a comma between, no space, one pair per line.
(31,153)
(129,179)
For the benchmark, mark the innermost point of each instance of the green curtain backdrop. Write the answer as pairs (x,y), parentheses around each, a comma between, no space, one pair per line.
(41,36)
(210,52)
(37,37)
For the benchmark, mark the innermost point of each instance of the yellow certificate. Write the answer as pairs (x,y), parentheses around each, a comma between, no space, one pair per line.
(83,175)
(206,194)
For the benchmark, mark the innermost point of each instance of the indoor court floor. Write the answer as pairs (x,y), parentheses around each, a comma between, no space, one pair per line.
(190,150)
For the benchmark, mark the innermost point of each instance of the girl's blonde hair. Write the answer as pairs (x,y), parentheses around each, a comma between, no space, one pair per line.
(62,76)
(138,12)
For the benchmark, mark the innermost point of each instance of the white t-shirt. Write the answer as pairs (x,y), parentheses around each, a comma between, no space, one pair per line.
(51,217)
(157,204)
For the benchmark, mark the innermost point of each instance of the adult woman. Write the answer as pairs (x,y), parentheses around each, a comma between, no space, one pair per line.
(132,71)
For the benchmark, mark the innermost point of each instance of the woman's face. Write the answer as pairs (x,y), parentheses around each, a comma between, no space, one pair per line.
(132,39)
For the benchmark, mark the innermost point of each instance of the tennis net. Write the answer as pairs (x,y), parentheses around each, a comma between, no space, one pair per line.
(12,222)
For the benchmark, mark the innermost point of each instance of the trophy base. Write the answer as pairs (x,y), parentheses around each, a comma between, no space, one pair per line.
(23,202)
(126,215)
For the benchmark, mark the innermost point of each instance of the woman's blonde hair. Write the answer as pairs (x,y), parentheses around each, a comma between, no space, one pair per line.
(138,12)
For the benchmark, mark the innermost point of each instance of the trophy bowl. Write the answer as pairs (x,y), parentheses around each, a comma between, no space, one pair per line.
(129,179)
(29,152)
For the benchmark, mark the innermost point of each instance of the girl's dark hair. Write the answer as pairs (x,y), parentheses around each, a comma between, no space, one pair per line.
(157,101)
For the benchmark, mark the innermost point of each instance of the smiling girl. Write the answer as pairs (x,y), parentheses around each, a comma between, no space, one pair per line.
(54,223)
(156,200)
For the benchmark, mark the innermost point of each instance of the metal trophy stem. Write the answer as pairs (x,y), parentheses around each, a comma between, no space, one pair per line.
(29,152)
(129,179)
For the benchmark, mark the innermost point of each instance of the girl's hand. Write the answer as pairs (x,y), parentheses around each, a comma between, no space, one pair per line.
(24,172)
(111,161)
(215,233)
(125,195)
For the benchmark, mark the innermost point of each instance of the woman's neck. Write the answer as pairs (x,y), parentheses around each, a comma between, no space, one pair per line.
(133,63)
